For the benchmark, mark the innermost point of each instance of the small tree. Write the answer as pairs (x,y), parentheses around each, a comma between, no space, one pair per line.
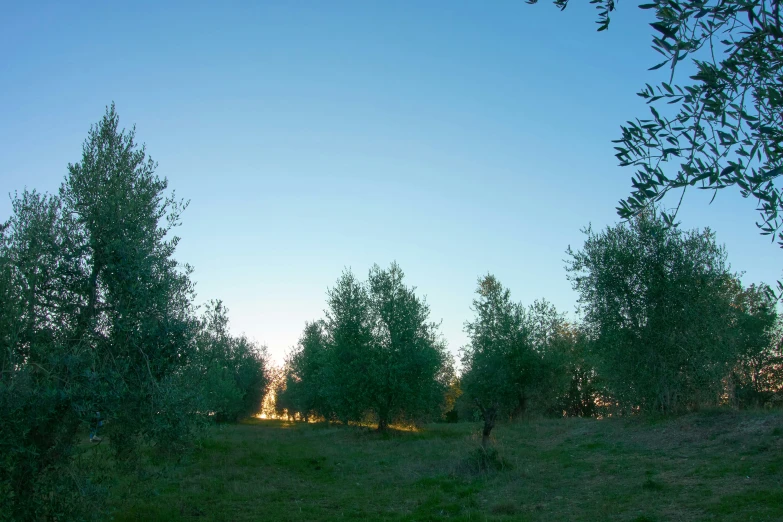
(376,354)
(507,364)
(305,371)
(231,371)
(580,389)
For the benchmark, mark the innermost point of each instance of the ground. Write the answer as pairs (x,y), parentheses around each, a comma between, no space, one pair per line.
(714,465)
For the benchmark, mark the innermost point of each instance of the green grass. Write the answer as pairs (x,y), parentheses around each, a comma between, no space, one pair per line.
(704,466)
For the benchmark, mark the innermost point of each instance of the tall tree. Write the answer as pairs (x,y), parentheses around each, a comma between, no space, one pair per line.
(137,300)
(96,315)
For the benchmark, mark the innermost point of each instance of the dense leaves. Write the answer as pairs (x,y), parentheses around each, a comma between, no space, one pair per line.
(376,354)
(666,314)
(229,371)
(96,315)
(758,371)
(512,363)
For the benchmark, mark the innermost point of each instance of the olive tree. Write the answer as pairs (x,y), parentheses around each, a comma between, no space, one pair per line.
(409,369)
(230,372)
(347,383)
(508,363)
(45,380)
(756,375)
(657,301)
(137,300)
(96,316)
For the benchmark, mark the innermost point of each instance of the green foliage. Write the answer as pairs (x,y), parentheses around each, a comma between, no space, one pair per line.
(231,372)
(45,382)
(659,304)
(572,347)
(515,359)
(96,315)
(304,390)
(349,327)
(135,302)
(409,370)
(722,128)
(375,354)
(758,374)
(37,438)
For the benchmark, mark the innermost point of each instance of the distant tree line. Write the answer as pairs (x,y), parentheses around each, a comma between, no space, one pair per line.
(96,315)
(666,327)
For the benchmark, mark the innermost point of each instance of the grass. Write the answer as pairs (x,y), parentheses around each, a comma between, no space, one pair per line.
(705,466)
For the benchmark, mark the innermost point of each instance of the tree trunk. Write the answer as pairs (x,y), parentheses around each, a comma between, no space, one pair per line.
(383,424)
(489,415)
(86,314)
(521,407)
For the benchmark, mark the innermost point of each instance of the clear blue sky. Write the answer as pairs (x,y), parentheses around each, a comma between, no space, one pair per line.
(457,138)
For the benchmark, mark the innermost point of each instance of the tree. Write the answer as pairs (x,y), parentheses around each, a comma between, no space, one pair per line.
(44,384)
(349,327)
(724,127)
(756,376)
(136,305)
(572,349)
(657,301)
(507,363)
(96,315)
(231,372)
(408,356)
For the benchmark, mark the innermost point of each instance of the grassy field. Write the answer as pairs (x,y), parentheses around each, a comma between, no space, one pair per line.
(715,465)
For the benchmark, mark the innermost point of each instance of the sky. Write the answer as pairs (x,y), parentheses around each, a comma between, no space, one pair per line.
(458,138)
